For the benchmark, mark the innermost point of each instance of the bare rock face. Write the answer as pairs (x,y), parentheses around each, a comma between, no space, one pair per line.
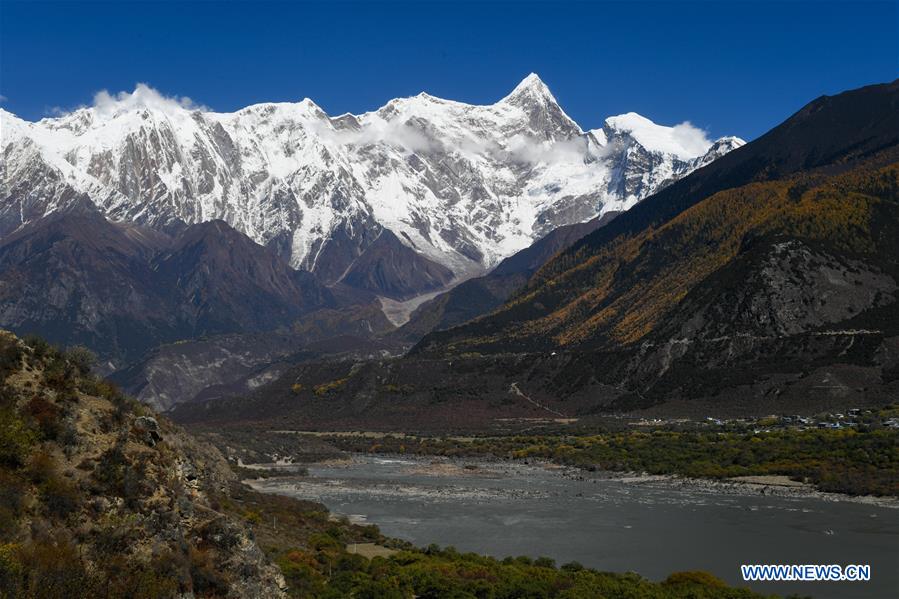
(231,283)
(392,269)
(785,287)
(78,279)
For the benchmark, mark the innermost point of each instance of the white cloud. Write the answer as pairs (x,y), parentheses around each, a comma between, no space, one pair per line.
(684,140)
(528,149)
(377,132)
(692,139)
(142,96)
(3,98)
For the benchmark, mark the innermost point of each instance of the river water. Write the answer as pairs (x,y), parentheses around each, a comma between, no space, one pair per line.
(653,527)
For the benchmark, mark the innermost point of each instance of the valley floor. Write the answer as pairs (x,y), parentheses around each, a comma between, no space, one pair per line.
(609,521)
(855,454)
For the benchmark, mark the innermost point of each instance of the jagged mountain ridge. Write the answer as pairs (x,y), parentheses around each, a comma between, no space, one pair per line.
(464,186)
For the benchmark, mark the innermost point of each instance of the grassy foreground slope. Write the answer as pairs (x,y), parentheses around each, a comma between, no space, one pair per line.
(98,498)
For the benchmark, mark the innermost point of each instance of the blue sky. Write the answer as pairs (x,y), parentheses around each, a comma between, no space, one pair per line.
(728,67)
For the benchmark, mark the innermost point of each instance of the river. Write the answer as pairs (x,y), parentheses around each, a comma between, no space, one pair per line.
(649,525)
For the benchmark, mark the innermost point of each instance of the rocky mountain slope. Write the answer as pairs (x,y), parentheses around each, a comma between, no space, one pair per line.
(459,185)
(481,295)
(121,289)
(233,365)
(101,498)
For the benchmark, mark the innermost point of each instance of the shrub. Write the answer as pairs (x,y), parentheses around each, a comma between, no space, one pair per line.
(46,415)
(59,375)
(113,537)
(205,576)
(54,569)
(40,348)
(16,438)
(10,571)
(325,543)
(10,356)
(41,467)
(301,574)
(12,500)
(695,578)
(326,388)
(81,358)
(253,517)
(60,497)
(68,437)
(219,533)
(109,471)
(8,396)
(371,532)
(126,577)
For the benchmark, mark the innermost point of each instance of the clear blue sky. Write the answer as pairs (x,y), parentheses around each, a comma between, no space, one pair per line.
(728,67)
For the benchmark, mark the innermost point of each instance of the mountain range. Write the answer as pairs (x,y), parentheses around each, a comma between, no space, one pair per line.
(143,221)
(765,282)
(399,201)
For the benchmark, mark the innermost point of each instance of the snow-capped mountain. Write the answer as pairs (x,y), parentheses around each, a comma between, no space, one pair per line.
(458,187)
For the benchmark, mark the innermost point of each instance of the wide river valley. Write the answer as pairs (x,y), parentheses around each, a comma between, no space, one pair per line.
(651,526)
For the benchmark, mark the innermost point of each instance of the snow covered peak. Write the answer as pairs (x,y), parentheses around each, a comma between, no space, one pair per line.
(530,89)
(731,142)
(684,141)
(718,149)
(531,82)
